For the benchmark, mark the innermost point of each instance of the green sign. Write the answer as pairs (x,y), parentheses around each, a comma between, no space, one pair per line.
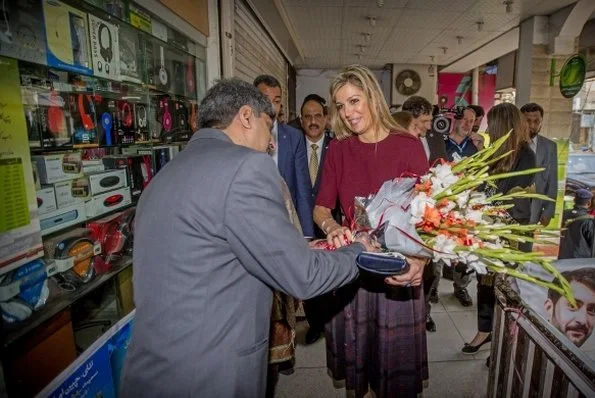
(572,76)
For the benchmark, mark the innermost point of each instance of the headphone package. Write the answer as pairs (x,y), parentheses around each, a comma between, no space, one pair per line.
(105,48)
(141,113)
(23,291)
(105,109)
(21,30)
(131,62)
(83,116)
(181,125)
(67,37)
(125,123)
(114,234)
(162,67)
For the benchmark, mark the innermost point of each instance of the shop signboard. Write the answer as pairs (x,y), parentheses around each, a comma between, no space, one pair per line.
(96,373)
(572,76)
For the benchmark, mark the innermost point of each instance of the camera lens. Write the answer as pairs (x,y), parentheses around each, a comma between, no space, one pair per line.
(441,125)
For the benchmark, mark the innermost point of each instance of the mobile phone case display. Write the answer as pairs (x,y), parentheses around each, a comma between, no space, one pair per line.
(23,291)
(67,37)
(105,49)
(21,30)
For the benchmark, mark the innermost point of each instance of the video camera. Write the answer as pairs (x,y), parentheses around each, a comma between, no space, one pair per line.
(443,121)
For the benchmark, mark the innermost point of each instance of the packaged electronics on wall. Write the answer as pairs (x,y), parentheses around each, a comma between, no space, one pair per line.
(105,49)
(138,169)
(142,126)
(48,118)
(21,30)
(69,193)
(23,291)
(72,258)
(162,68)
(181,126)
(46,200)
(108,201)
(62,218)
(163,154)
(131,62)
(105,109)
(165,115)
(125,123)
(82,111)
(107,181)
(114,233)
(67,37)
(59,167)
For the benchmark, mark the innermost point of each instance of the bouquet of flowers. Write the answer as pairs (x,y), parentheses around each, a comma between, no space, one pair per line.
(449,215)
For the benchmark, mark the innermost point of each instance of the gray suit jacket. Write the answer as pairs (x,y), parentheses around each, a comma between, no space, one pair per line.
(546,182)
(212,236)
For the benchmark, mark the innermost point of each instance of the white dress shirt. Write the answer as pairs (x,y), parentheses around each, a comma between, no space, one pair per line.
(318,151)
(424,142)
(275,132)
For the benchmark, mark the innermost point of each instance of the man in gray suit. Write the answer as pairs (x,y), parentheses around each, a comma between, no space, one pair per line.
(546,182)
(212,237)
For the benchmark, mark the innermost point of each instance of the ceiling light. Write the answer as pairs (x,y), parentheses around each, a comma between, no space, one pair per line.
(479,24)
(444,50)
(460,40)
(372,21)
(508,4)
(380,3)
(366,37)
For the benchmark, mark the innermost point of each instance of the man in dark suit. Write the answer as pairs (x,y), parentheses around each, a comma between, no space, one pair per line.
(313,117)
(546,182)
(212,240)
(290,156)
(421,125)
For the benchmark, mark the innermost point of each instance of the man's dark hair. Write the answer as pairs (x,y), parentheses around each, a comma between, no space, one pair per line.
(582,201)
(315,98)
(585,275)
(223,101)
(532,107)
(417,106)
(268,81)
(479,112)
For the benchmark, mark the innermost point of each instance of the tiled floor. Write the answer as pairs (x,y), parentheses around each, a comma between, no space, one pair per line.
(452,374)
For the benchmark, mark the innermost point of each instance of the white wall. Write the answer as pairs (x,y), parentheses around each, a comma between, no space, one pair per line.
(429,83)
(318,81)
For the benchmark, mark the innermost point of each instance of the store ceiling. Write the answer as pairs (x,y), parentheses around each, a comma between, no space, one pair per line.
(330,32)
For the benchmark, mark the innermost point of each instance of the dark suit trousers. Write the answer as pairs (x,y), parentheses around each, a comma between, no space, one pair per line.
(486,302)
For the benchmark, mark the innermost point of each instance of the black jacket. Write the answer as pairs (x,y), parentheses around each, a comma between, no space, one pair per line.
(577,238)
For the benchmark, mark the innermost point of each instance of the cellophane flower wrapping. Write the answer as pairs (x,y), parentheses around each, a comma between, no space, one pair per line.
(454,214)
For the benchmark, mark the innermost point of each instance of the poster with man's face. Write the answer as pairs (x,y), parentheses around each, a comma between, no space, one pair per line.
(574,323)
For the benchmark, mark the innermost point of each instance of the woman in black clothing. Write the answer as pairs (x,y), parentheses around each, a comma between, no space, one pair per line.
(501,119)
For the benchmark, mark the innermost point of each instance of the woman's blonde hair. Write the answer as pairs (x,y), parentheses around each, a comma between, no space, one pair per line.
(362,78)
(501,119)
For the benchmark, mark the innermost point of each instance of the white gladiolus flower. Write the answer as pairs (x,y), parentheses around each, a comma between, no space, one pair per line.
(462,199)
(475,216)
(418,207)
(444,247)
(444,173)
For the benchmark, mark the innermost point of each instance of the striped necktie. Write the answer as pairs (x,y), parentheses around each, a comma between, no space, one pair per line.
(313,167)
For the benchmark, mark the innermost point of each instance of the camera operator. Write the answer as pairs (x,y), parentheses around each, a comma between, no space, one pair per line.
(459,140)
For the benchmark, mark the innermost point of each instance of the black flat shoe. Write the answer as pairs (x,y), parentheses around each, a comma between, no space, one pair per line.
(430,324)
(312,336)
(472,349)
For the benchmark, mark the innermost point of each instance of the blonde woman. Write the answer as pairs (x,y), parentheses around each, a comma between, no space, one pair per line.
(377,339)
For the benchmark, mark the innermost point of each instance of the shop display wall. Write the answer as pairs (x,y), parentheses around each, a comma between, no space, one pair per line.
(98,96)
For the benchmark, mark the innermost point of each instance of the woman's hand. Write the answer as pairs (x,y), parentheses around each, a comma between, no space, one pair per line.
(339,236)
(413,277)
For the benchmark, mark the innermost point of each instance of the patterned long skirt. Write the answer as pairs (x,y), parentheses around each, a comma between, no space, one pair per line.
(378,340)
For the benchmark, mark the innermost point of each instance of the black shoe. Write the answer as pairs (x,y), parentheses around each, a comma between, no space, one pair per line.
(472,349)
(312,336)
(430,324)
(286,368)
(434,296)
(464,297)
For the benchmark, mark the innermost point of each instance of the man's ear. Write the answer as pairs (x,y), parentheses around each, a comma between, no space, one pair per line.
(245,116)
(549,308)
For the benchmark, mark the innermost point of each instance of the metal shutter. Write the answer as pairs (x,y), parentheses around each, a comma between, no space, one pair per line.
(255,51)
